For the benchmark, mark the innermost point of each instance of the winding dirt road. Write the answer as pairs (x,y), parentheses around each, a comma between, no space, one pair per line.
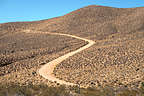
(46,70)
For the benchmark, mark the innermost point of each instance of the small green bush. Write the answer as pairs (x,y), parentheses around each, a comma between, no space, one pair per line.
(142,84)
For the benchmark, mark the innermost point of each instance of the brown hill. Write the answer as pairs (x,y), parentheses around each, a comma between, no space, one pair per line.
(116,58)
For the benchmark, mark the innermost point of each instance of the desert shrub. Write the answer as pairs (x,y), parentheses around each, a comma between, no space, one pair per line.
(142,88)
(33,90)
(128,93)
(142,84)
(92,91)
(44,90)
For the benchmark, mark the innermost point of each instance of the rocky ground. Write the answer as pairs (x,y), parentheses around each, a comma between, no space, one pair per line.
(23,54)
(119,63)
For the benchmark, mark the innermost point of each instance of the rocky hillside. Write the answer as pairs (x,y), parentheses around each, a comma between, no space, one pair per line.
(116,58)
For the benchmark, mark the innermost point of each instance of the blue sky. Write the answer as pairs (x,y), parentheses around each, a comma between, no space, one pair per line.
(30,10)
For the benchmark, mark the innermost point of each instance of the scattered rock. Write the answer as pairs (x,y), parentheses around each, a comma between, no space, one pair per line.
(137,69)
(33,73)
(43,63)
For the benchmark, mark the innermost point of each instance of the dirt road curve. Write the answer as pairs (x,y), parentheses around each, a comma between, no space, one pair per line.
(46,71)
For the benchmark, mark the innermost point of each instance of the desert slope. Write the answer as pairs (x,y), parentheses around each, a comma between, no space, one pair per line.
(116,58)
